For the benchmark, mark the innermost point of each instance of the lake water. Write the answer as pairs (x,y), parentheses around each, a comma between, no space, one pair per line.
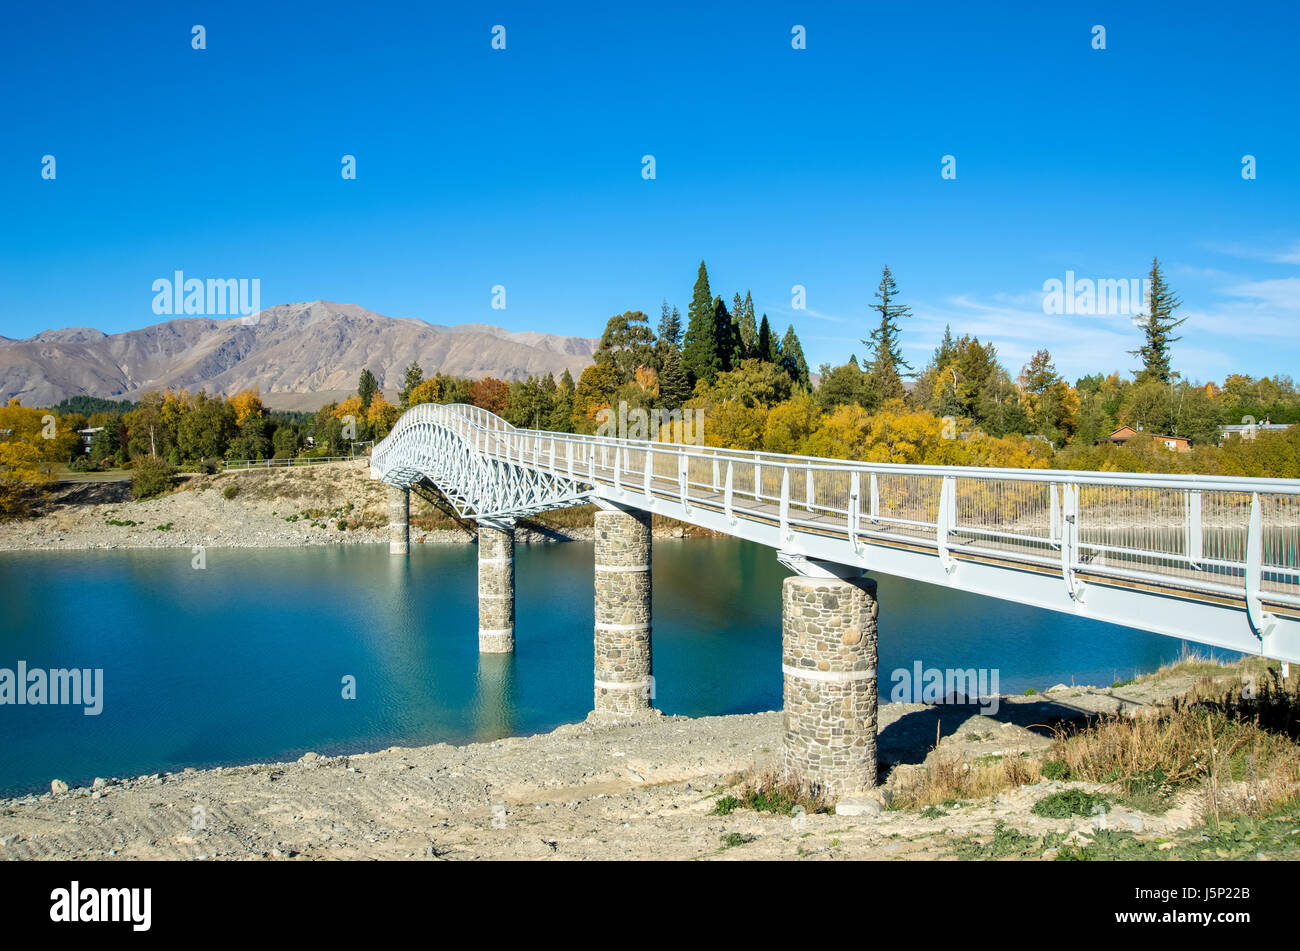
(243,661)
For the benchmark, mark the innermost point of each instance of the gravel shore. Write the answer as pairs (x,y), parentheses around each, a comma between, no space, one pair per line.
(645,789)
(275,508)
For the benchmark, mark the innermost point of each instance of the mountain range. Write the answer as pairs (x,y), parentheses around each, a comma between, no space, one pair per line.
(298,356)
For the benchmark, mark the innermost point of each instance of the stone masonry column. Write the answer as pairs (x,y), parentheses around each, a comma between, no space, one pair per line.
(496,586)
(624,685)
(828,657)
(399,520)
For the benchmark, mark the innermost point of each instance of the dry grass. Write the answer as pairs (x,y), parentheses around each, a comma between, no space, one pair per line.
(770,790)
(1241,748)
(946,777)
(1235,735)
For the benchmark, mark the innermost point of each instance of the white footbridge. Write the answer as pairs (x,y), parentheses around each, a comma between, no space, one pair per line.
(1210,559)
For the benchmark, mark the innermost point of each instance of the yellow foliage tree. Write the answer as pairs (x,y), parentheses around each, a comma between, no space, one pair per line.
(789,424)
(246,403)
(349,407)
(427,391)
(382,415)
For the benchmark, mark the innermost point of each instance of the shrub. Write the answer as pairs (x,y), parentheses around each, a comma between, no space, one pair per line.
(1071,802)
(1055,769)
(209,466)
(230,491)
(725,806)
(772,791)
(152,477)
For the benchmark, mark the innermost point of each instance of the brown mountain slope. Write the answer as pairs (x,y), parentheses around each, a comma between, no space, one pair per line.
(297,355)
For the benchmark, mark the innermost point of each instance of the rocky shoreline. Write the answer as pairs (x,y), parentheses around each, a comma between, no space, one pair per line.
(646,788)
(279,508)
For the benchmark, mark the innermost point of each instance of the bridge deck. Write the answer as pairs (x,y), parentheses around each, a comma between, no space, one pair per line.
(1207,558)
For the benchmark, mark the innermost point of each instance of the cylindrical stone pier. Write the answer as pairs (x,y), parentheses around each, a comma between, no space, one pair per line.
(828,657)
(496,587)
(624,685)
(399,520)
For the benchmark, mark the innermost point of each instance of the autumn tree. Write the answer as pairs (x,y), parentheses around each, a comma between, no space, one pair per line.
(426,391)
(594,391)
(246,403)
(490,394)
(1050,402)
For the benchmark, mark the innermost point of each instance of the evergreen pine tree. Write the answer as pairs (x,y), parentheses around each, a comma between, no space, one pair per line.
(946,352)
(367,386)
(1156,329)
(700,357)
(674,388)
(743,311)
(792,358)
(670,327)
(413,378)
(768,348)
(887,363)
(562,407)
(727,334)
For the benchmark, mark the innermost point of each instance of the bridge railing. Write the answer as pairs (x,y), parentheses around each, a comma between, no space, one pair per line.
(1209,534)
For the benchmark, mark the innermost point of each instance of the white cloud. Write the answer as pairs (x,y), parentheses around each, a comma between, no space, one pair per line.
(1281,293)
(1288,254)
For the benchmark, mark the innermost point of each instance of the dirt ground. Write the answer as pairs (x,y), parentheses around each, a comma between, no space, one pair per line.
(641,790)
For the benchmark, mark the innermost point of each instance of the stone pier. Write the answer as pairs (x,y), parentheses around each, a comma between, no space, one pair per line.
(496,586)
(399,520)
(828,657)
(624,685)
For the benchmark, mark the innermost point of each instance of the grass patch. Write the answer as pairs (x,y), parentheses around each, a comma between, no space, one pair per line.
(1244,737)
(770,791)
(1056,769)
(732,839)
(948,777)
(1274,835)
(725,806)
(1070,802)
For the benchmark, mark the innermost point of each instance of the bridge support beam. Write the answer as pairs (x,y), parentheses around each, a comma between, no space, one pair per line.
(828,657)
(399,520)
(624,685)
(496,586)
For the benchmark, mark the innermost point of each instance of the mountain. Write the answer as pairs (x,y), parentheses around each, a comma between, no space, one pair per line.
(297,355)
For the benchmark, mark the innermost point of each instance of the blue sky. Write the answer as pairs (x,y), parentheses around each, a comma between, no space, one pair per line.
(779,167)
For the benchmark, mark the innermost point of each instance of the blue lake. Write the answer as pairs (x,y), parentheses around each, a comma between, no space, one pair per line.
(244,660)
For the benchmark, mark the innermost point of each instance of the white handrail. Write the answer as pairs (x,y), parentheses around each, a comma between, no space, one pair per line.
(1199,533)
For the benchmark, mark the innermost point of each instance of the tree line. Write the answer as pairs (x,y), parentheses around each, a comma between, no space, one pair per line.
(755,391)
